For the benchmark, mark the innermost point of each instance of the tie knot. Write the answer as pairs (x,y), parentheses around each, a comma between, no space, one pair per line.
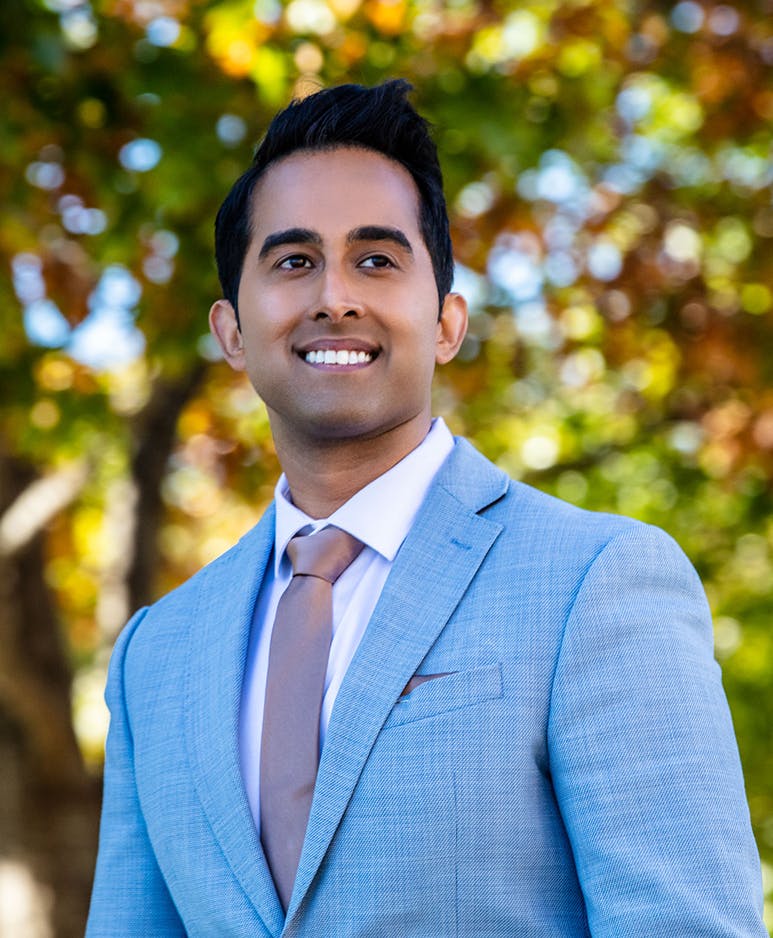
(325,554)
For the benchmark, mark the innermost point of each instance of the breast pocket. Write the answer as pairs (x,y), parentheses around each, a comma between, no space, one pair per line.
(448,692)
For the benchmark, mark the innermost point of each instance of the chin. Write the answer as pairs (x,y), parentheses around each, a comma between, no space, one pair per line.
(339,427)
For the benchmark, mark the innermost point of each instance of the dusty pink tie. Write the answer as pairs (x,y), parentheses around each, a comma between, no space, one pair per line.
(297,664)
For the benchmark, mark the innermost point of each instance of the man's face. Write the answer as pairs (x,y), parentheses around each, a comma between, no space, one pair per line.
(337,300)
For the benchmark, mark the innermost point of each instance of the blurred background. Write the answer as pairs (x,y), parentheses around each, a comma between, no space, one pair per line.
(609,176)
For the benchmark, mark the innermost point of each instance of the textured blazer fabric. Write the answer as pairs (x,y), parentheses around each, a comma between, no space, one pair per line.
(570,768)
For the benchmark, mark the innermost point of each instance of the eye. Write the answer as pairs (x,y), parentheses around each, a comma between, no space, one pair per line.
(294,262)
(377,262)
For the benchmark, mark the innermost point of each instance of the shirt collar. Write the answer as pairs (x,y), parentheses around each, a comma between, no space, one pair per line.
(402,488)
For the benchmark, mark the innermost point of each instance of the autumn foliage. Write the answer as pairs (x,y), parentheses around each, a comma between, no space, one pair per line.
(610,180)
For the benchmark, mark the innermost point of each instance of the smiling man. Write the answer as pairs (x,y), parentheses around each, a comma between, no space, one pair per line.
(418,699)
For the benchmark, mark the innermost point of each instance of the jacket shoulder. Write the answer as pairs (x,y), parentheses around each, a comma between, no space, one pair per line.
(483,487)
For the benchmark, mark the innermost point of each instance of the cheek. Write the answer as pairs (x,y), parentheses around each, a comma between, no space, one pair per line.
(267,321)
(268,301)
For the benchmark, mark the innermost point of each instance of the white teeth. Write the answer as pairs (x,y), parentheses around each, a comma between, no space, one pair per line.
(337,357)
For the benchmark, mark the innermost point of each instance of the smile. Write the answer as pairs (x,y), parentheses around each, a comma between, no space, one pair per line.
(337,357)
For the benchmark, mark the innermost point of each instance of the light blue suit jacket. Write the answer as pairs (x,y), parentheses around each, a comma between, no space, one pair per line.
(574,773)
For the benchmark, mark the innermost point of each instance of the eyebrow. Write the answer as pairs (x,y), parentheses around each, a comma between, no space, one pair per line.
(289,236)
(379,233)
(307,236)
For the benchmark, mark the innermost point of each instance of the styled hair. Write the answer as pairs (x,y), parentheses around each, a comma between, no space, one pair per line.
(380,119)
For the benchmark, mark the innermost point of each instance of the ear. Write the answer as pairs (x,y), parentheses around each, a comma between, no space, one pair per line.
(451,327)
(223,325)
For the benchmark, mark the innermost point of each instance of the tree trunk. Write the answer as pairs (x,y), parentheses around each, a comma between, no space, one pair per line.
(49,804)
(154,435)
(48,823)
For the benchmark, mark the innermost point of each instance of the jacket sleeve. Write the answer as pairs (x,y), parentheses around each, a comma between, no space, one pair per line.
(130,897)
(643,756)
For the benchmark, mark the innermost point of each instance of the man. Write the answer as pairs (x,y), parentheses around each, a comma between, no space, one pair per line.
(519,725)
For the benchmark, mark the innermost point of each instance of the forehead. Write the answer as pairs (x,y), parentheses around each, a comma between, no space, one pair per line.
(335,191)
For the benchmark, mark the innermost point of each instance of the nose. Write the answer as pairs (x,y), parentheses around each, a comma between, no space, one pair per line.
(335,300)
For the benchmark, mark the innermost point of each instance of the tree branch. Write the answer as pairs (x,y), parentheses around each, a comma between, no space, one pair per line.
(40,501)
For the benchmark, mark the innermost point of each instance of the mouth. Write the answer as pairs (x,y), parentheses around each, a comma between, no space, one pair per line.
(339,356)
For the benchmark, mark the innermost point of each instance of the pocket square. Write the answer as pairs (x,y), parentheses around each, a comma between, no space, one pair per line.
(421,679)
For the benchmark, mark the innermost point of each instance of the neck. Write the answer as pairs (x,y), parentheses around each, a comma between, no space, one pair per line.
(323,474)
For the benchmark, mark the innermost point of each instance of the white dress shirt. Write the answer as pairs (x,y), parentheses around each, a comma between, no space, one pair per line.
(380,515)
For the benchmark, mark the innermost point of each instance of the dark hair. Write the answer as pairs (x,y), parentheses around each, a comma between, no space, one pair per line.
(380,119)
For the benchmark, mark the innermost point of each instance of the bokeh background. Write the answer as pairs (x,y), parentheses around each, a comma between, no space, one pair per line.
(609,175)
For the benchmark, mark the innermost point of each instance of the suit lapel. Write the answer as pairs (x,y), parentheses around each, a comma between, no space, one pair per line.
(439,558)
(219,641)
